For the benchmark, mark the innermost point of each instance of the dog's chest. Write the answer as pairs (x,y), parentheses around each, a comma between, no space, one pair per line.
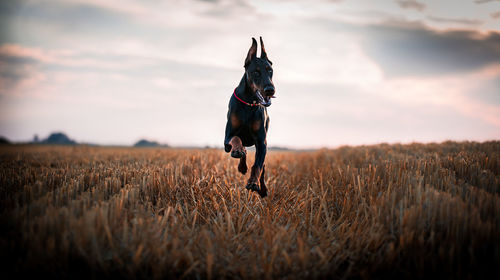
(249,120)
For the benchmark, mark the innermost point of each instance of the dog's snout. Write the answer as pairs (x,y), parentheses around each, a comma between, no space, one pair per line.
(269,90)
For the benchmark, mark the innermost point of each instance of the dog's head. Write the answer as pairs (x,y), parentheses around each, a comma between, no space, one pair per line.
(259,73)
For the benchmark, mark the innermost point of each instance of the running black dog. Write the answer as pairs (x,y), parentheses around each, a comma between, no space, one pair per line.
(247,119)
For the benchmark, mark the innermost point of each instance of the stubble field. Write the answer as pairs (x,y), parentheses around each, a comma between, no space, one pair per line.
(383,211)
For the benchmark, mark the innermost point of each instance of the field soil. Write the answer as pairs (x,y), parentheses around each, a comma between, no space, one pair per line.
(369,212)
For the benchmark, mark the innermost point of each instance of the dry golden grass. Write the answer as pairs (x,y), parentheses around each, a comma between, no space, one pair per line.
(371,212)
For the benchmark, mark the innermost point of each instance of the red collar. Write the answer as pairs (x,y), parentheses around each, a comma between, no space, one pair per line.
(241,100)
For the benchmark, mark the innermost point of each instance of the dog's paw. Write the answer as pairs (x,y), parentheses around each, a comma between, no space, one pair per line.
(253,187)
(237,153)
(262,193)
(242,169)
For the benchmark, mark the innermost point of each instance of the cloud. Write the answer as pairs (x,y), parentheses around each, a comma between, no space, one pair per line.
(412,49)
(13,51)
(465,21)
(483,1)
(181,13)
(411,4)
(19,68)
(15,54)
(495,15)
(19,78)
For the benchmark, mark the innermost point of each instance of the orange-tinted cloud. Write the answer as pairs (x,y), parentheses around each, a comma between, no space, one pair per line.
(21,52)
(411,4)
(464,21)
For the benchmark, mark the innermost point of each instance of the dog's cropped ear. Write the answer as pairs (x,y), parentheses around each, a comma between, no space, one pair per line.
(252,52)
(263,53)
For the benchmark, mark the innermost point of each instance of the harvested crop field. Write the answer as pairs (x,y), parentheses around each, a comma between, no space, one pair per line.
(382,211)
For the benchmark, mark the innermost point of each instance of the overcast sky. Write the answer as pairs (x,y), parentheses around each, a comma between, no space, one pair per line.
(346,72)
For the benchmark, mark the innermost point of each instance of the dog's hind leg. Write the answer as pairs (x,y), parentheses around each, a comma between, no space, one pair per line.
(263,188)
(257,168)
(242,166)
(237,149)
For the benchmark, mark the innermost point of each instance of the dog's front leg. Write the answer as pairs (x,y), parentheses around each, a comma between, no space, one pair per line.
(260,156)
(242,166)
(237,149)
(227,138)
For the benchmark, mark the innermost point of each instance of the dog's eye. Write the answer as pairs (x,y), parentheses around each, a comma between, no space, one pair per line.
(256,74)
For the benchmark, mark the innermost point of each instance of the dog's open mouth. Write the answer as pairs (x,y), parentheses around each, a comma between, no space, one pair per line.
(265,101)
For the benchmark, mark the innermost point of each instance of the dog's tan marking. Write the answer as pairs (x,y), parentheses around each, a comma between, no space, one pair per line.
(235,121)
(256,125)
(236,142)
